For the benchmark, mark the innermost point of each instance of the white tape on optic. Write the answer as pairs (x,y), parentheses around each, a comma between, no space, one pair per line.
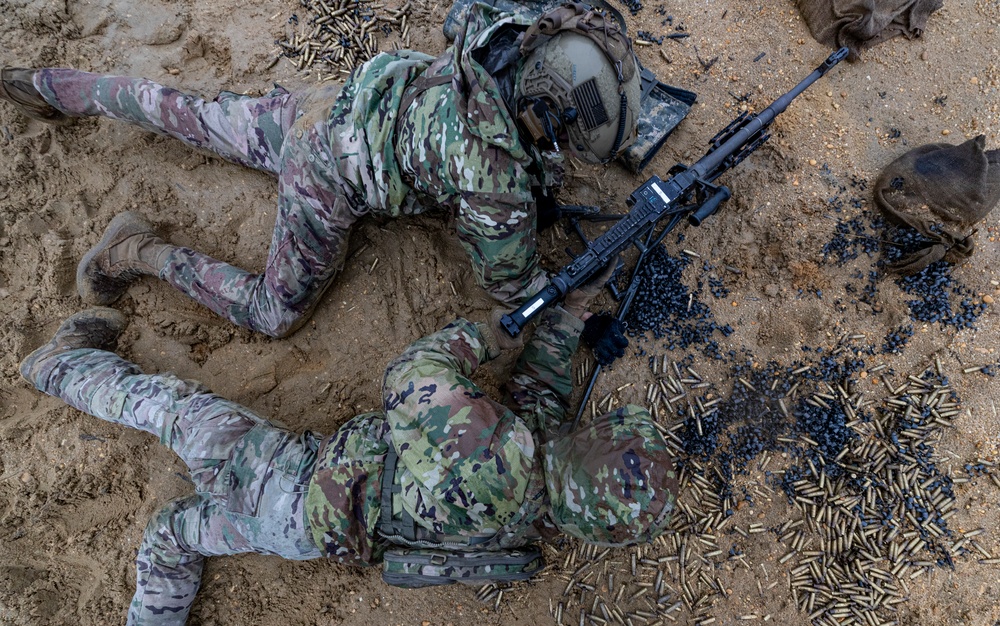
(660,193)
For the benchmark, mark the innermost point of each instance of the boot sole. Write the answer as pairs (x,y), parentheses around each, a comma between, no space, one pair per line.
(115,319)
(49,114)
(85,287)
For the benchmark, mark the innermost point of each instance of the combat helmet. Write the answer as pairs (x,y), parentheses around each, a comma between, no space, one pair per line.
(580,81)
(611,482)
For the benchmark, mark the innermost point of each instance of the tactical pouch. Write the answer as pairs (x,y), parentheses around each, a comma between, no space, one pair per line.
(415,557)
(412,568)
(663,106)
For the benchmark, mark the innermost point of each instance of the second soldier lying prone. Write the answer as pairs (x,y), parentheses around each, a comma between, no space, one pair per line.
(441,461)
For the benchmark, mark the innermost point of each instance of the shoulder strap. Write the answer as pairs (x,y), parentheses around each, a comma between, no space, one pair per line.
(419,85)
(405,527)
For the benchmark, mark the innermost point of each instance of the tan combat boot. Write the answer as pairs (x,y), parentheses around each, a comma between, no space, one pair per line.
(130,248)
(94,328)
(17,87)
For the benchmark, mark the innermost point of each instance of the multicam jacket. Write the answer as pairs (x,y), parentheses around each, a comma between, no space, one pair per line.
(455,146)
(468,466)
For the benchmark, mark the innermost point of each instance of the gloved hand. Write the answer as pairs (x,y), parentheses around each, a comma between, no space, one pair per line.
(496,336)
(606,337)
(546,208)
(577,301)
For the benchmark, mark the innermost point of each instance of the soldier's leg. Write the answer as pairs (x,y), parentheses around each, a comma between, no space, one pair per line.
(242,129)
(308,245)
(251,502)
(17,86)
(107,386)
(263,514)
(201,427)
(223,444)
(251,476)
(168,568)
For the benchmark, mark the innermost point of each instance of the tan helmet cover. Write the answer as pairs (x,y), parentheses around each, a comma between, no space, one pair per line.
(578,58)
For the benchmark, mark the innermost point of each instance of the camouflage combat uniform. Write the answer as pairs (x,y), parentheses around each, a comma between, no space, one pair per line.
(340,153)
(468,465)
(250,475)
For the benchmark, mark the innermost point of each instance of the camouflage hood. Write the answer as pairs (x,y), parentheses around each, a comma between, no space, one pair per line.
(612,482)
(488,116)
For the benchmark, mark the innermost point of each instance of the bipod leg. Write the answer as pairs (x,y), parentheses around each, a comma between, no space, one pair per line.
(586,396)
(652,241)
(619,315)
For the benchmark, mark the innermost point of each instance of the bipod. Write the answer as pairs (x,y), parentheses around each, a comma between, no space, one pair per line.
(710,198)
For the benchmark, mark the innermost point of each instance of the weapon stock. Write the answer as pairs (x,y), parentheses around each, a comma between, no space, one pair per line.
(688,191)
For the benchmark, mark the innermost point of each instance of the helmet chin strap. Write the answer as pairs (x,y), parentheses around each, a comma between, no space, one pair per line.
(622,113)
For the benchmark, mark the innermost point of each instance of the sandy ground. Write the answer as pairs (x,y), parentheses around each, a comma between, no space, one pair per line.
(76,493)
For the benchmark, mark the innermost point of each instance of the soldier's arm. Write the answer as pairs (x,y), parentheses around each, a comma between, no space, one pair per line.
(467,455)
(488,191)
(498,233)
(540,388)
(459,347)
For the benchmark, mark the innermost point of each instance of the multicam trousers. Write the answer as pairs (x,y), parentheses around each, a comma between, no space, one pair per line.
(282,133)
(250,476)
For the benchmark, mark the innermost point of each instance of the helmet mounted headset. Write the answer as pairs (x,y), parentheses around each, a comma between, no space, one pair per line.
(566,89)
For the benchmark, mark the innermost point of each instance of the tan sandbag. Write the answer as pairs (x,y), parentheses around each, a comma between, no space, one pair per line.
(860,24)
(942,191)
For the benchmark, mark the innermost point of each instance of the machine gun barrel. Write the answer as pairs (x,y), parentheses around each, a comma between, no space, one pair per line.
(711,161)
